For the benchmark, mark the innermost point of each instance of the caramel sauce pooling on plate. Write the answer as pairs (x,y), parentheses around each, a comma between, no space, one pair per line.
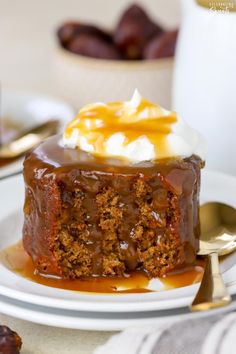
(17,260)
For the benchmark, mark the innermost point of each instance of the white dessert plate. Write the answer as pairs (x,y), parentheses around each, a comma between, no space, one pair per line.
(25,110)
(215,186)
(100,321)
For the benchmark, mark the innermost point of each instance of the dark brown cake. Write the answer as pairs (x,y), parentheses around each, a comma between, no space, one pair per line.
(88,216)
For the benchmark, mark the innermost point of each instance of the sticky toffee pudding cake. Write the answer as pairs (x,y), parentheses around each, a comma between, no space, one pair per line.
(118,192)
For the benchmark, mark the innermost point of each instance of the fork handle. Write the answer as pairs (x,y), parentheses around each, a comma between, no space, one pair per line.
(212,292)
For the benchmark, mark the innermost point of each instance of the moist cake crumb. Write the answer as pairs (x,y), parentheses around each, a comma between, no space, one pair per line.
(93,219)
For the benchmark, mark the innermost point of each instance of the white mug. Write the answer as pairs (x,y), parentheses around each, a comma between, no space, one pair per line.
(204,87)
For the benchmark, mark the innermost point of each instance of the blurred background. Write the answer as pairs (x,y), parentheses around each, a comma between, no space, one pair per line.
(180,54)
(27,33)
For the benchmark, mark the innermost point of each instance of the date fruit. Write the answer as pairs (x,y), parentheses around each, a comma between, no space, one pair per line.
(10,342)
(136,37)
(69,30)
(92,46)
(133,32)
(162,46)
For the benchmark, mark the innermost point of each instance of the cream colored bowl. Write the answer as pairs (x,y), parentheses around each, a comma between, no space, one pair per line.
(81,80)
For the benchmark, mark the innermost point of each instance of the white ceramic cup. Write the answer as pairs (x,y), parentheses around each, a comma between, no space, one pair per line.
(204,87)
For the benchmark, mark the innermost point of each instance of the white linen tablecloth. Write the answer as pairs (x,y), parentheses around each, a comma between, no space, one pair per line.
(215,334)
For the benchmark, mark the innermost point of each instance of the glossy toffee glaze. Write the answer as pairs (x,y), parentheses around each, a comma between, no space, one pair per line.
(18,261)
(139,117)
(52,157)
(50,167)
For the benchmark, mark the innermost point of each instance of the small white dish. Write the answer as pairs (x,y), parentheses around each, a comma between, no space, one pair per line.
(28,109)
(25,110)
(82,80)
(215,186)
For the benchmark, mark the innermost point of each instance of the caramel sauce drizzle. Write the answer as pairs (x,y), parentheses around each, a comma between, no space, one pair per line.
(97,122)
(17,260)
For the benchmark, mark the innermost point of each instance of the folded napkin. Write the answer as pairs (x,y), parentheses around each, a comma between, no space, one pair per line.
(215,334)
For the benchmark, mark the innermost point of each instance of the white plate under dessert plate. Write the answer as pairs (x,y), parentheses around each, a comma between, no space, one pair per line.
(27,109)
(100,321)
(215,186)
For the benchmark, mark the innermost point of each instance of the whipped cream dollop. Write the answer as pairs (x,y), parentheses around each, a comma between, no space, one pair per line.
(135,130)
